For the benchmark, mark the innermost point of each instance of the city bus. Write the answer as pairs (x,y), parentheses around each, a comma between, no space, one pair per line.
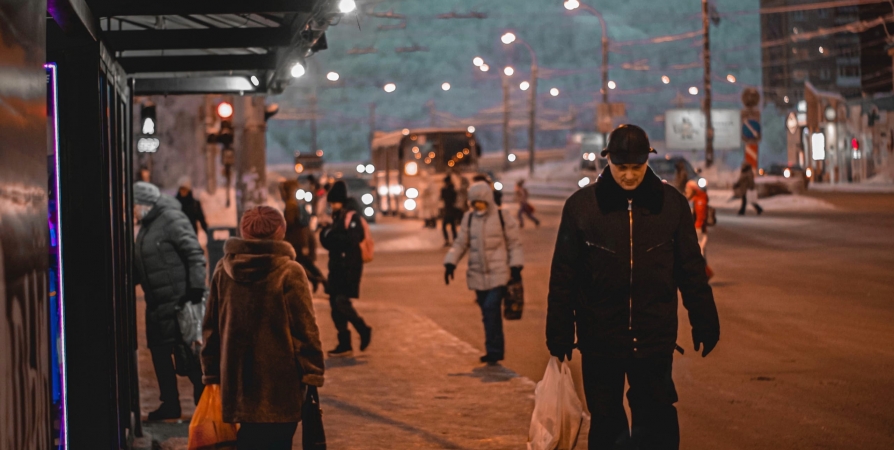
(408,161)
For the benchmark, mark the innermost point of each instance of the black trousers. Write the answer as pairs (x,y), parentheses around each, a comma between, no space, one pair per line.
(163,360)
(651,398)
(265,436)
(449,220)
(343,313)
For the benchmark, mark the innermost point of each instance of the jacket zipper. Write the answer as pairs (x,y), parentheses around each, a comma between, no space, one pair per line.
(630,215)
(590,244)
(660,245)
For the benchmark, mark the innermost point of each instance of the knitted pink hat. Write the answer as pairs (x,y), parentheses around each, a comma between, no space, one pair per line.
(263,222)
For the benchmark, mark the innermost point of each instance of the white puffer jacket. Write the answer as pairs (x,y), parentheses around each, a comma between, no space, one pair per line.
(492,249)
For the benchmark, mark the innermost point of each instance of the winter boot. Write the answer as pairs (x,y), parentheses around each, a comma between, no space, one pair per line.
(365,337)
(167,411)
(759,209)
(342,351)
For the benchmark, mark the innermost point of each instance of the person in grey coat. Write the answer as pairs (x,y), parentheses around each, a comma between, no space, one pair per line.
(170,266)
(495,256)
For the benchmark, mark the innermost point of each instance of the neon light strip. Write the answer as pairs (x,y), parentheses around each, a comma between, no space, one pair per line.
(61,287)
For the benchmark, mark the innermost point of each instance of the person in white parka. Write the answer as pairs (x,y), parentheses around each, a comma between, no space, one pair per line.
(495,256)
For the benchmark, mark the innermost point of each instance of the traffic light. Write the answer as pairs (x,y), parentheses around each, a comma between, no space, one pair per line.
(855,144)
(147,119)
(225,112)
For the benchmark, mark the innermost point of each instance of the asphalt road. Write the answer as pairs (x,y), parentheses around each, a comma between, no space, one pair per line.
(806,302)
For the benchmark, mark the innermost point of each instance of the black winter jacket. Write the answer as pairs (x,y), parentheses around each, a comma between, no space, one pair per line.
(168,260)
(617,266)
(193,210)
(345,259)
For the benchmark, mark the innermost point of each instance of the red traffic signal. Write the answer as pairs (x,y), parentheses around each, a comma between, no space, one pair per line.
(225,110)
(855,144)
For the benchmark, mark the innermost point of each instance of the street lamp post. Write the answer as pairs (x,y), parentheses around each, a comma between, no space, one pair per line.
(506,149)
(510,38)
(575,4)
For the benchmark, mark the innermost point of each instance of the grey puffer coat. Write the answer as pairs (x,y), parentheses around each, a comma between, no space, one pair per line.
(492,249)
(168,261)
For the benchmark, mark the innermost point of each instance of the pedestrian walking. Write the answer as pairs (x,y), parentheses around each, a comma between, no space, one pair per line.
(262,345)
(625,245)
(191,206)
(451,213)
(495,256)
(170,267)
(524,206)
(699,199)
(462,197)
(681,175)
(744,186)
(342,237)
(300,235)
(431,198)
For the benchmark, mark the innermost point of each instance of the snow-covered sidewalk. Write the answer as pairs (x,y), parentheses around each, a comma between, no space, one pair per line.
(723,199)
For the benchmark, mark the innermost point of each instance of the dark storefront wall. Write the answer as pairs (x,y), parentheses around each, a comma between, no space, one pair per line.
(25,402)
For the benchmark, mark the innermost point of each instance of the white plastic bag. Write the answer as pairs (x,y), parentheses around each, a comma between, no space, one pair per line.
(558,412)
(189,318)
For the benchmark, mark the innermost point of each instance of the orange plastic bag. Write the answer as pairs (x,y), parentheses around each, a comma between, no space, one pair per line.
(207,430)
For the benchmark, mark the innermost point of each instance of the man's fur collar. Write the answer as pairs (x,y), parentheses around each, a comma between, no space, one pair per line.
(612,197)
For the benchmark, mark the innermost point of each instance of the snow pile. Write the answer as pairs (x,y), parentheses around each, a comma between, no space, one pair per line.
(723,199)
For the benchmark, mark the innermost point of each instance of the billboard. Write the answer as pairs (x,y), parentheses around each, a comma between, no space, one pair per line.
(684,129)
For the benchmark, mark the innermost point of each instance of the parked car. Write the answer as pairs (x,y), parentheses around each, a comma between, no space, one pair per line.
(783,179)
(666,168)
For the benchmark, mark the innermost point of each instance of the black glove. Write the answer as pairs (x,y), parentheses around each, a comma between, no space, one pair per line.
(195,295)
(562,352)
(448,272)
(516,274)
(708,339)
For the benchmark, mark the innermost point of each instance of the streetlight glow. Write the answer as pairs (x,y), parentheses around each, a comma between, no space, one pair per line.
(255,81)
(693,90)
(445,86)
(484,67)
(298,70)
(508,71)
(390,87)
(477,61)
(346,6)
(471,129)
(572,4)
(554,92)
(511,157)
(665,79)
(731,78)
(332,76)
(508,38)
(612,85)
(524,85)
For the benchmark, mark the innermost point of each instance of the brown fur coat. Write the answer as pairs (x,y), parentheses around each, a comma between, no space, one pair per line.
(261,341)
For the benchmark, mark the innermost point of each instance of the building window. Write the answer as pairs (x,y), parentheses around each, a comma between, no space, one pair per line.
(825,73)
(822,13)
(798,16)
(848,71)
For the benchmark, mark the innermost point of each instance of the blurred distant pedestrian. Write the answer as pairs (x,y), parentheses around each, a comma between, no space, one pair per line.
(300,234)
(170,267)
(431,198)
(495,257)
(462,197)
(262,345)
(342,237)
(681,175)
(699,199)
(525,208)
(191,206)
(626,244)
(451,214)
(744,187)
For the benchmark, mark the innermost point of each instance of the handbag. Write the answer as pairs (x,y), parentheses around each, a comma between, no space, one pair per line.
(313,437)
(513,300)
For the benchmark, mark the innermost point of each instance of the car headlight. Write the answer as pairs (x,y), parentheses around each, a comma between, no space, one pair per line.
(410,204)
(412,193)
(498,186)
(300,194)
(411,168)
(308,197)
(368,212)
(702,183)
(787,173)
(383,190)
(367,199)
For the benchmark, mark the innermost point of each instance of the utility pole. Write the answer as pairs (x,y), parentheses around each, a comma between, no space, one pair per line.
(604,73)
(372,124)
(313,123)
(505,123)
(532,125)
(709,128)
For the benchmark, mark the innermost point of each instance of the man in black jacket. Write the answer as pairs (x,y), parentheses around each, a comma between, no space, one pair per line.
(625,246)
(191,206)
